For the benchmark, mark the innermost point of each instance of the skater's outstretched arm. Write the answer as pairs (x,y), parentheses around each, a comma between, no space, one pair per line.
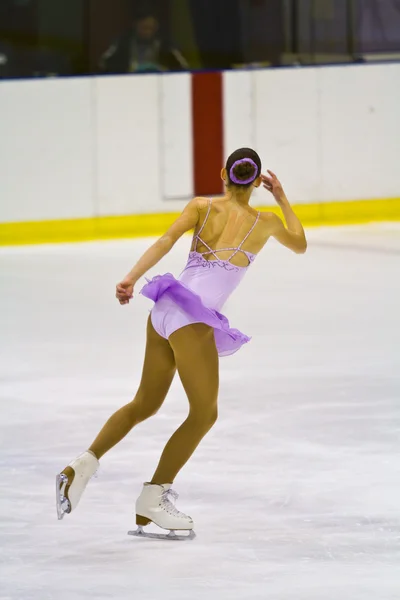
(185,222)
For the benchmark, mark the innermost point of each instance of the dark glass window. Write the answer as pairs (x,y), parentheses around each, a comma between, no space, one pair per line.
(40,38)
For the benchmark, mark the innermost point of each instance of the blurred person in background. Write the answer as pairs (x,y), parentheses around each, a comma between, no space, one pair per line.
(141,50)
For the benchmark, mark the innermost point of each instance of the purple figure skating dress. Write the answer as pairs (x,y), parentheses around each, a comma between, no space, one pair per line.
(200,293)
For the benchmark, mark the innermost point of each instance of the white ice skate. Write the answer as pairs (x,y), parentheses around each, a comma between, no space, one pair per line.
(84,467)
(154,506)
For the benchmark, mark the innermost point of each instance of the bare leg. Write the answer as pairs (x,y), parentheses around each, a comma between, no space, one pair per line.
(158,373)
(197,362)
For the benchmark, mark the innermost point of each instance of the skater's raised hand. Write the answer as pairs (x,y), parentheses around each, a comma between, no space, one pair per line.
(292,236)
(273,185)
(124,291)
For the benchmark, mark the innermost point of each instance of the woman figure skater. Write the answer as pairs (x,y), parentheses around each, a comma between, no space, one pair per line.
(186,332)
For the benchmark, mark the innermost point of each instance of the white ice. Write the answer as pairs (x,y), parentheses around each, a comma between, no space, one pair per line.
(295,493)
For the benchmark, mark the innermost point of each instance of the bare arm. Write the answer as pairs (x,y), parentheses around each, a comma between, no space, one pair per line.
(292,236)
(185,222)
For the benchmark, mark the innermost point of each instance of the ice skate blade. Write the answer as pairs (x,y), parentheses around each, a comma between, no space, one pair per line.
(62,503)
(171,536)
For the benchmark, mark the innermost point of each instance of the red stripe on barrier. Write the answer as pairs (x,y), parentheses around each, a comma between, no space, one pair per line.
(208,133)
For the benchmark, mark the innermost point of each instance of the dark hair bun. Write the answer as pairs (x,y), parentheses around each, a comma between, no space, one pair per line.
(243,167)
(244,171)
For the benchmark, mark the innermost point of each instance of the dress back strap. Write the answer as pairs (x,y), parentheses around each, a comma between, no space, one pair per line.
(239,248)
(196,237)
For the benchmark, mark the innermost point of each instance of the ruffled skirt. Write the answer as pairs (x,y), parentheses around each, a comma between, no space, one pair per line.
(227,339)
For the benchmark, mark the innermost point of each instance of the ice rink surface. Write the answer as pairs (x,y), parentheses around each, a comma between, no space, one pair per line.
(296,491)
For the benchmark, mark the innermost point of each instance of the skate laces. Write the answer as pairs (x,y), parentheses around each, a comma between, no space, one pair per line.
(168,505)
